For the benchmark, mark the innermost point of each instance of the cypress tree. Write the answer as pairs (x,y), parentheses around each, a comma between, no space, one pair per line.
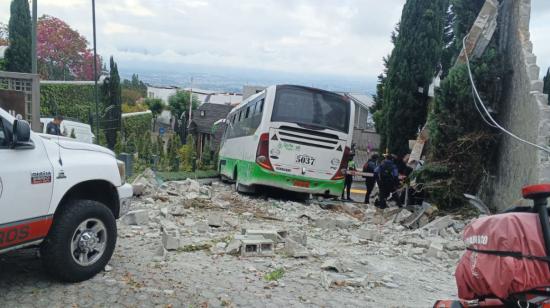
(18,54)
(546,89)
(113,101)
(411,68)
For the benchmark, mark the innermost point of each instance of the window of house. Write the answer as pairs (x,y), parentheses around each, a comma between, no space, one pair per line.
(203,113)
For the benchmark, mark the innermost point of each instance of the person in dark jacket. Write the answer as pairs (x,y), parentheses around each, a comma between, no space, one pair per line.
(54,127)
(387,178)
(369,167)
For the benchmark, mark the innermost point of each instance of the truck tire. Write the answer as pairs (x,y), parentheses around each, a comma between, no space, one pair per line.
(80,242)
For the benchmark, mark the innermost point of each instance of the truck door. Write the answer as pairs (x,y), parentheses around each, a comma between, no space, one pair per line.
(26,183)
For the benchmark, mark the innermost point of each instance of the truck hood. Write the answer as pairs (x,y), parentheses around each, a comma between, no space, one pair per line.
(75,145)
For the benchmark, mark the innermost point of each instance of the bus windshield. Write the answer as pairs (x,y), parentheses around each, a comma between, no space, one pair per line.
(311,108)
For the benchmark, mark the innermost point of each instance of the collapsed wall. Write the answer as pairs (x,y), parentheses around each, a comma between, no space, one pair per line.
(524,111)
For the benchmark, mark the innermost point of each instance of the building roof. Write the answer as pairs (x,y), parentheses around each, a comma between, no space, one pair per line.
(364,100)
(212,113)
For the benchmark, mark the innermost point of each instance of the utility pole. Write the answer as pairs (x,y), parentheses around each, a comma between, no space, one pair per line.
(33,43)
(95,77)
(190,104)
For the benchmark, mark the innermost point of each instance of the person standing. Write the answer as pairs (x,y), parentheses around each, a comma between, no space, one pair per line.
(54,127)
(349,179)
(369,167)
(387,178)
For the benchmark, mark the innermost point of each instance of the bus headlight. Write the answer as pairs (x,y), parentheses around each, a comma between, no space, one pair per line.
(121,170)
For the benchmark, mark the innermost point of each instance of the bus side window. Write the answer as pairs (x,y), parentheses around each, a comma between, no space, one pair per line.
(247,112)
(262,105)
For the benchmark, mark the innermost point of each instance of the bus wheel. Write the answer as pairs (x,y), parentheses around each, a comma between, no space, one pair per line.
(241,188)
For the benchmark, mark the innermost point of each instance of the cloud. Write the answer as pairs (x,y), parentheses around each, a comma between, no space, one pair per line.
(338,37)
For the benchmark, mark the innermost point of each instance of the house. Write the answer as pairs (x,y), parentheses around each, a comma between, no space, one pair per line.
(213,97)
(161,92)
(249,90)
(201,127)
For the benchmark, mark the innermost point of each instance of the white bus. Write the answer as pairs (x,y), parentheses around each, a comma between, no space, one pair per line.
(290,137)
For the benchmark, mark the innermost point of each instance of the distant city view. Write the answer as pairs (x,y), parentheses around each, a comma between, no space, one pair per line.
(233,80)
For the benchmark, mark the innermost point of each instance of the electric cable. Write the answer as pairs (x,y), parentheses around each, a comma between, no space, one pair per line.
(545,149)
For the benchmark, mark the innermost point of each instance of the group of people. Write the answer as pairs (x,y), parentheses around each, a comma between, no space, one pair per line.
(385,173)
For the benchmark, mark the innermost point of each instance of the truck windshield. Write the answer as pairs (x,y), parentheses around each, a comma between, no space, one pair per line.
(311,108)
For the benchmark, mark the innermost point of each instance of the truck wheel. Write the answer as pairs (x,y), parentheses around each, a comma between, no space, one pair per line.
(81,241)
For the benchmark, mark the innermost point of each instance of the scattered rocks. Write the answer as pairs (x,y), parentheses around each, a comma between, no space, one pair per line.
(136,218)
(295,250)
(215,220)
(333,265)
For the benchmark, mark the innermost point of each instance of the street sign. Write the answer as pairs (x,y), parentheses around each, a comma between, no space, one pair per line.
(161,131)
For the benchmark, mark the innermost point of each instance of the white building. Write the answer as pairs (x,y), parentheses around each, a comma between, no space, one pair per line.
(161,92)
(213,97)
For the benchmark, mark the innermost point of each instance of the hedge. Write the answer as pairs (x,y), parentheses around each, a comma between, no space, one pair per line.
(68,100)
(136,125)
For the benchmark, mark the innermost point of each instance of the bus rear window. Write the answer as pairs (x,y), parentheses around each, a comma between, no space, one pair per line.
(311,108)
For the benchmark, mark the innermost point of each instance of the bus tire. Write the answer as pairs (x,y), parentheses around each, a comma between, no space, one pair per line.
(241,188)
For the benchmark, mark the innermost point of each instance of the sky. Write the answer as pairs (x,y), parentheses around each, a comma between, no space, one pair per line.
(346,38)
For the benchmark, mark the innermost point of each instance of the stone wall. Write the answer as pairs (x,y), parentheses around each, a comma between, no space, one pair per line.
(524,110)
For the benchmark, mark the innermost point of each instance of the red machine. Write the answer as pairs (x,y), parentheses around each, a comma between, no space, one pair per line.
(507,263)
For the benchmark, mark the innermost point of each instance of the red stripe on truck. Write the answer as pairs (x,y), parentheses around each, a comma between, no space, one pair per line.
(20,232)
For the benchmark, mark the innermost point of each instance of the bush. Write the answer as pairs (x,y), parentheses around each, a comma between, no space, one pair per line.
(188,154)
(70,101)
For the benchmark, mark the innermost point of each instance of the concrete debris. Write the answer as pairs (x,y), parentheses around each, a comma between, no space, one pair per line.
(234,247)
(272,235)
(215,220)
(257,248)
(139,189)
(185,222)
(136,218)
(295,250)
(333,265)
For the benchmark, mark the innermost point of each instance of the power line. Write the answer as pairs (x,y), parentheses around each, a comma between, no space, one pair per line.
(545,149)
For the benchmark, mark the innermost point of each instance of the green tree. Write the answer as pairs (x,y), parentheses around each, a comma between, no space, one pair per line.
(188,154)
(179,103)
(18,54)
(155,105)
(112,102)
(547,82)
(4,33)
(411,68)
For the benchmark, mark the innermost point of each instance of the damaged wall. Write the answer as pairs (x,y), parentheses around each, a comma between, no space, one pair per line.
(524,111)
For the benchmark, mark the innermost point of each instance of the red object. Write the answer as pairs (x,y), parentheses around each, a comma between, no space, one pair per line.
(484,275)
(343,165)
(24,231)
(536,191)
(301,184)
(262,153)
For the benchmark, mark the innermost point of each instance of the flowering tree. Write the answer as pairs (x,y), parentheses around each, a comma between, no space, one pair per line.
(63,53)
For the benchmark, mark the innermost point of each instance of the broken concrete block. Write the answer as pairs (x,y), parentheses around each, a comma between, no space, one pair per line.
(215,220)
(139,189)
(333,265)
(454,245)
(435,250)
(330,223)
(234,247)
(257,248)
(170,240)
(369,234)
(295,250)
(194,186)
(219,248)
(438,224)
(299,237)
(330,280)
(267,234)
(136,218)
(201,227)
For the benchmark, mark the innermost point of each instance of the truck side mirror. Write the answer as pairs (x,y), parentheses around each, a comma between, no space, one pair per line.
(21,136)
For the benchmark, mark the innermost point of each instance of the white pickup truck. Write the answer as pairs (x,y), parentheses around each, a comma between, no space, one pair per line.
(61,194)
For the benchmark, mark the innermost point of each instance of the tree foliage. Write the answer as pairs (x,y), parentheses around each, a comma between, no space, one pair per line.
(179,103)
(63,53)
(112,102)
(155,105)
(410,71)
(73,101)
(18,54)
(135,84)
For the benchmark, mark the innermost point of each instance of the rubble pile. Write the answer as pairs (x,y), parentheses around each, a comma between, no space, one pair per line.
(351,253)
